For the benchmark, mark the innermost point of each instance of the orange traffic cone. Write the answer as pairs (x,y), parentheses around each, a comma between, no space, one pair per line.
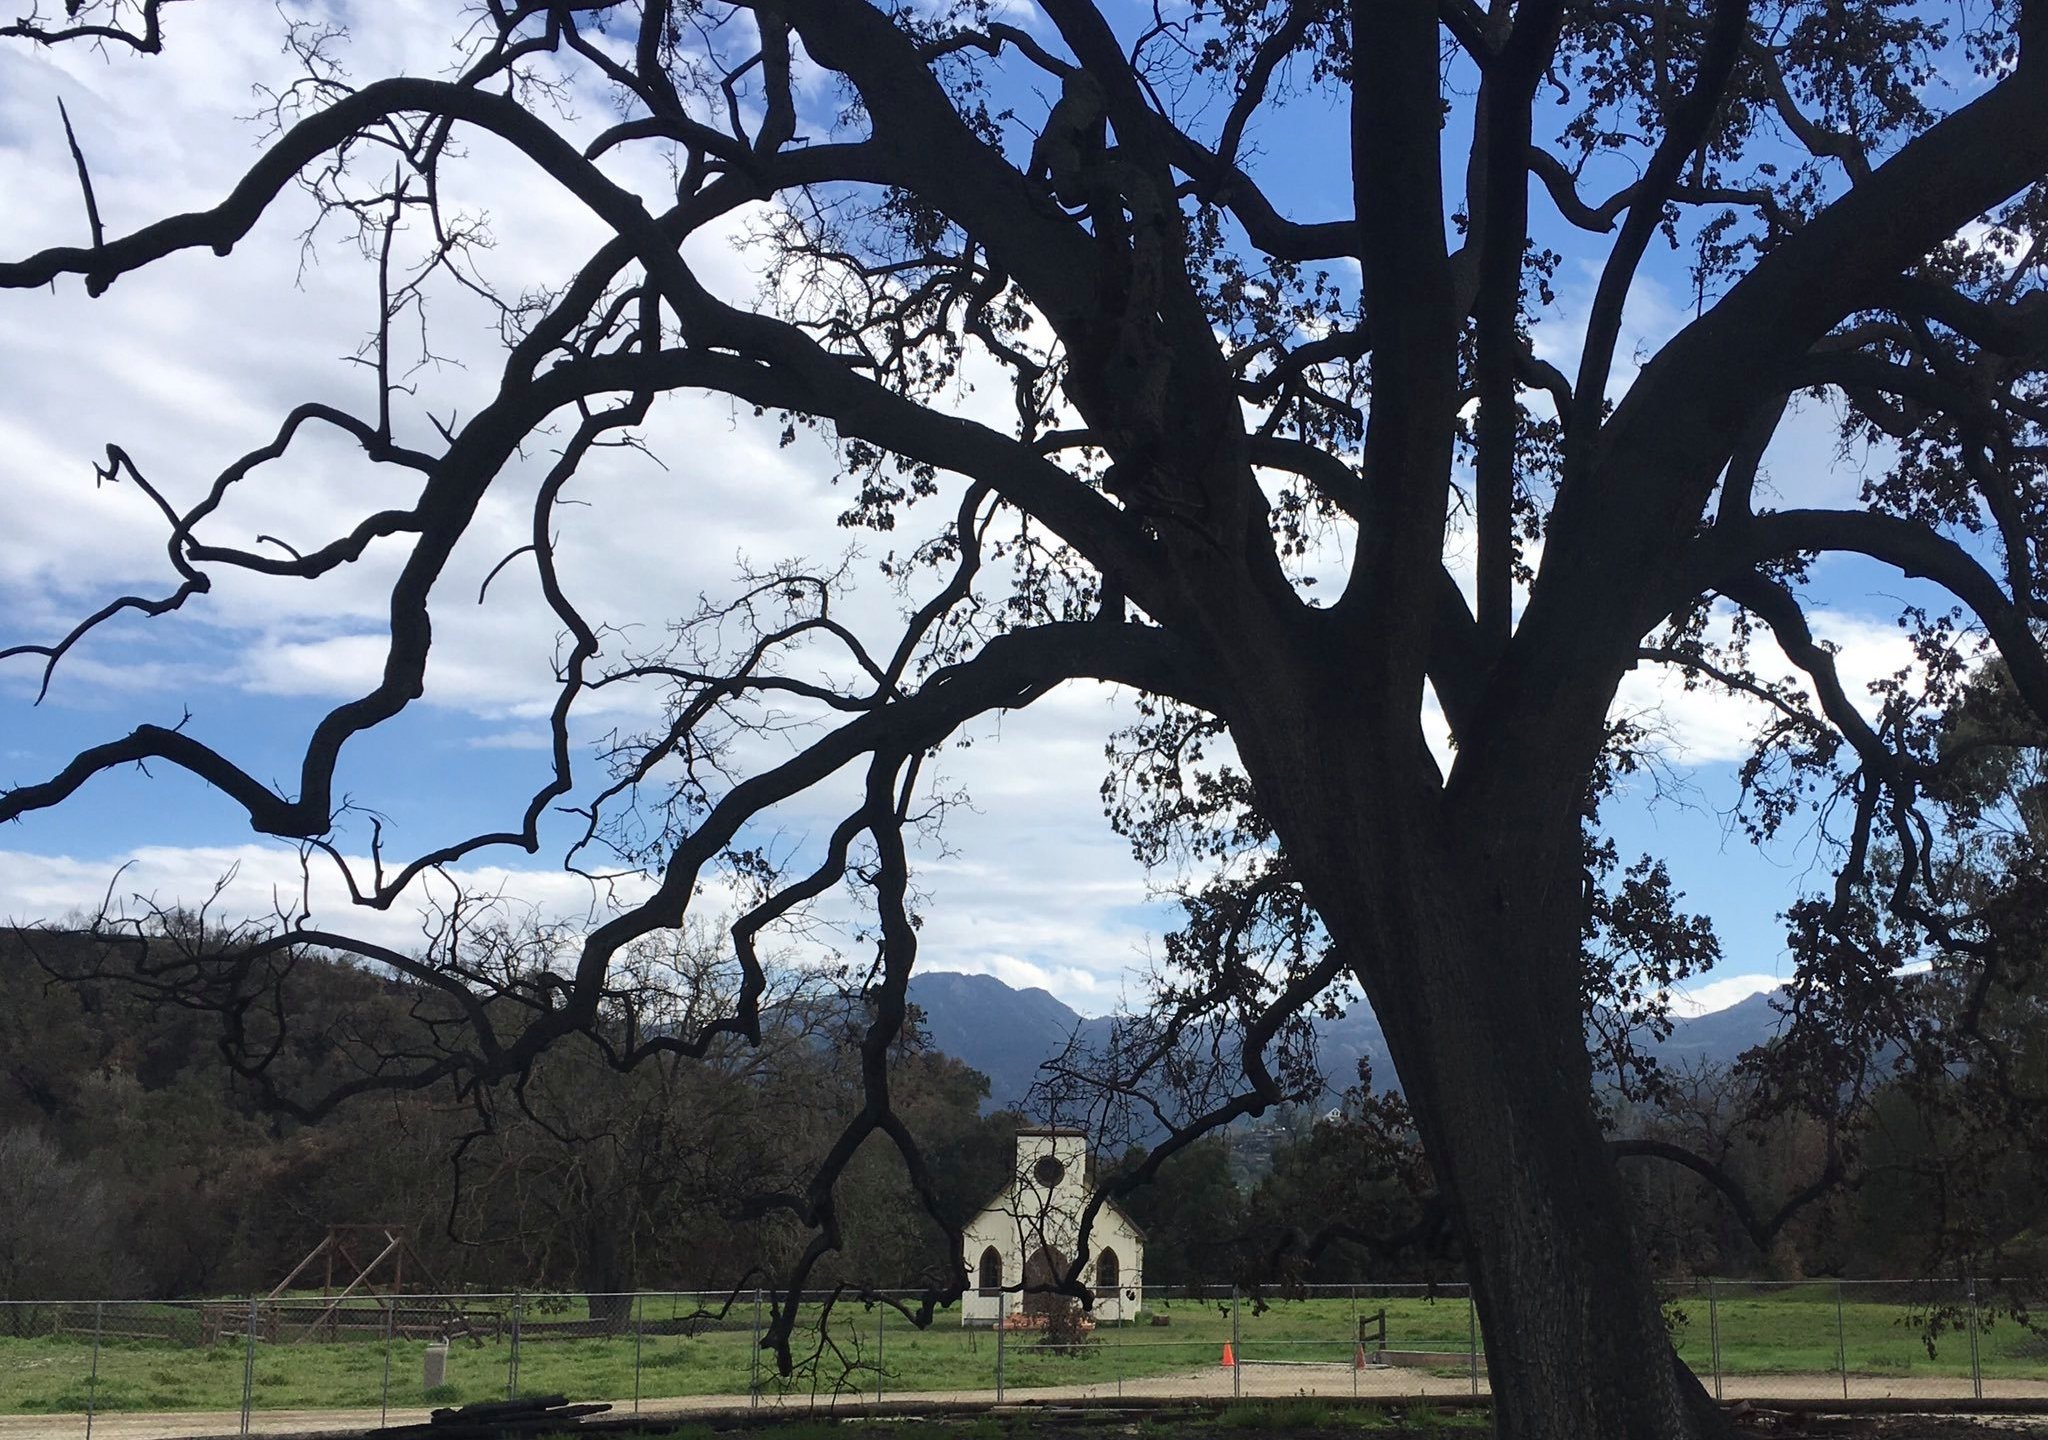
(1229,1359)
(1358,1357)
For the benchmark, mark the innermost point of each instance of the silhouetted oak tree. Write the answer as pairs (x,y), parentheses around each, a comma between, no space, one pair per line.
(1077,203)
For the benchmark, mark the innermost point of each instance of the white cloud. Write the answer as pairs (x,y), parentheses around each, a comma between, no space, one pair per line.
(1085,990)
(258,881)
(1704,997)
(1051,899)
(1709,724)
(195,360)
(511,740)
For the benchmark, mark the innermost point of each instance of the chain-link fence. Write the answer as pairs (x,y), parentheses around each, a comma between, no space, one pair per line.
(167,1369)
(1849,1339)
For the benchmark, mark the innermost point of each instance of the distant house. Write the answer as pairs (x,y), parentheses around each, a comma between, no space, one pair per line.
(1027,1235)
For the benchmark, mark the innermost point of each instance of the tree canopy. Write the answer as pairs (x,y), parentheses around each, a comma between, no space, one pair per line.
(1281,455)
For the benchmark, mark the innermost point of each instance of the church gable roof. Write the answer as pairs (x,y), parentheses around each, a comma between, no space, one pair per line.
(996,1207)
(996,1203)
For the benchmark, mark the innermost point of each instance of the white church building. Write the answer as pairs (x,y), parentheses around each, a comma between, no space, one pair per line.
(1027,1235)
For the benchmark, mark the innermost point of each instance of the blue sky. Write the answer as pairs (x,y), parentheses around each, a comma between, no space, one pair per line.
(194,361)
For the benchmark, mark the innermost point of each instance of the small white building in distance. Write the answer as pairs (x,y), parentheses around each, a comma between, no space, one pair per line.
(1026,1236)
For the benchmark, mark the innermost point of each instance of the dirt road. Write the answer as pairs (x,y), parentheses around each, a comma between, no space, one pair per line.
(1259,1381)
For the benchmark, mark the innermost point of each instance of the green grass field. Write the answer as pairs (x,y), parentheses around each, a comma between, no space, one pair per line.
(1787,1330)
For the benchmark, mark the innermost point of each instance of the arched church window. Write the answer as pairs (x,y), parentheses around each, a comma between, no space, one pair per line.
(1109,1271)
(991,1272)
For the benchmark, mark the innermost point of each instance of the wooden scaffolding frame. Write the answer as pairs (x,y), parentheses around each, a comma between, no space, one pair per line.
(345,1245)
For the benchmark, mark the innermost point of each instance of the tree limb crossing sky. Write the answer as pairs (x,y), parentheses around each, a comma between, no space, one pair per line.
(193,361)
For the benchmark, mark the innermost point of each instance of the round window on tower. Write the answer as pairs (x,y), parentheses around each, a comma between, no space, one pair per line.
(1048,1171)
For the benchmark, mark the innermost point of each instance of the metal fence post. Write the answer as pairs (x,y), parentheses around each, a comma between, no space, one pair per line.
(1002,1331)
(1472,1332)
(639,1333)
(1357,1342)
(1841,1341)
(754,1364)
(92,1383)
(1714,1333)
(512,1354)
(249,1366)
(390,1324)
(1236,1347)
(1976,1365)
(881,1320)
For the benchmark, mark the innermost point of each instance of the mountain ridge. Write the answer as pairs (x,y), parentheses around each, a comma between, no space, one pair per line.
(1007,1033)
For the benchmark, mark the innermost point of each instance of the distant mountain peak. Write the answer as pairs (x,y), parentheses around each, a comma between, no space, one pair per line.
(1007,1033)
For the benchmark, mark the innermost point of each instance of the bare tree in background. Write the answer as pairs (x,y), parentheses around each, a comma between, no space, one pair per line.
(1199,405)
(53,1214)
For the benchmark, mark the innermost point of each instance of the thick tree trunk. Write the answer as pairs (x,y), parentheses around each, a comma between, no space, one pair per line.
(1575,1341)
(1466,938)
(604,1270)
(1496,1071)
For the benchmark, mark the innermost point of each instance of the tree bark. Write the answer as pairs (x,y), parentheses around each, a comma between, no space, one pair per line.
(604,1271)
(1575,1341)
(1469,954)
